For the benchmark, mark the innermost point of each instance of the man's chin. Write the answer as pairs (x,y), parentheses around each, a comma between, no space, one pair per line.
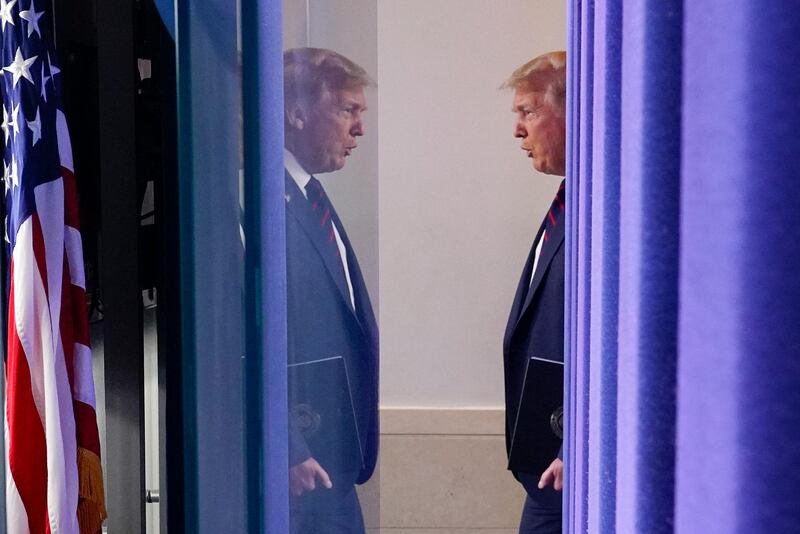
(544,167)
(332,166)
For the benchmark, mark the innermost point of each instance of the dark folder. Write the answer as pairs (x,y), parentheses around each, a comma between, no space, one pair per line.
(321,409)
(534,441)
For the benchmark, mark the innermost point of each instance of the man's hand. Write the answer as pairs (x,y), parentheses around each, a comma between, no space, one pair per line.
(554,474)
(303,477)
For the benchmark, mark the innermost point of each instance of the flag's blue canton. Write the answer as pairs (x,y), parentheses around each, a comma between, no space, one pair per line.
(30,95)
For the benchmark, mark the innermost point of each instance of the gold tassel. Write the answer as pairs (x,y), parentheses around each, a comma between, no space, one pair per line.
(91,496)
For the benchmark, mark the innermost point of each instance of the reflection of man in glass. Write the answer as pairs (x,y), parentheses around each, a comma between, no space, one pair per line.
(331,327)
(536,325)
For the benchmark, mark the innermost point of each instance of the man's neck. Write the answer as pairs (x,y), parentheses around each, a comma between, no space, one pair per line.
(296,170)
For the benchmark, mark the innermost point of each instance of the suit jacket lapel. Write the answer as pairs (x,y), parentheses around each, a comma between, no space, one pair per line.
(554,242)
(298,206)
(364,313)
(522,288)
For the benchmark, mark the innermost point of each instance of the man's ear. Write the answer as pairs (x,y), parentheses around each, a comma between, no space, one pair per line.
(295,116)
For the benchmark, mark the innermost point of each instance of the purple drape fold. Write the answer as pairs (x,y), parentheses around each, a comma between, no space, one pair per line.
(683,311)
(604,266)
(738,466)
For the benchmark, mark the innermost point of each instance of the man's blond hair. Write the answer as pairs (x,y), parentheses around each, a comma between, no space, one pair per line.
(309,72)
(546,73)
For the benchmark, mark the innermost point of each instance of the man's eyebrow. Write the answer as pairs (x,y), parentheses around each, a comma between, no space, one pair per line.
(354,103)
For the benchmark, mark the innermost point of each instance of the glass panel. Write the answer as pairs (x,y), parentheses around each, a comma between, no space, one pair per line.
(331,161)
(212,265)
(441,241)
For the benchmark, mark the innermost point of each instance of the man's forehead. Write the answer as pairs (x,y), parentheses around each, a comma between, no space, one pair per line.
(347,96)
(524,96)
(358,98)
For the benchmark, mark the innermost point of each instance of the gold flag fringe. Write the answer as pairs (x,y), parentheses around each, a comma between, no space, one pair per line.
(91,496)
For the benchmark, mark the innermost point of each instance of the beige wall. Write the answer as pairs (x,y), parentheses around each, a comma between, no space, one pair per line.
(443,472)
(459,202)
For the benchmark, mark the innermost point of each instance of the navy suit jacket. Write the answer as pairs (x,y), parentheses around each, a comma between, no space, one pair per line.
(322,322)
(536,323)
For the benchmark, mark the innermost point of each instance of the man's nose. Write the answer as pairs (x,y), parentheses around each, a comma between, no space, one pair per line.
(519,131)
(358,128)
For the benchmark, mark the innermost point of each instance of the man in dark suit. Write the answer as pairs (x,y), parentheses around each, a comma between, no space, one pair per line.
(329,310)
(536,324)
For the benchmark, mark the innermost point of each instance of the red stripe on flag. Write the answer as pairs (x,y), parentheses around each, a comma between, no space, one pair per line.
(27,454)
(78,309)
(39,251)
(67,325)
(86,427)
(75,328)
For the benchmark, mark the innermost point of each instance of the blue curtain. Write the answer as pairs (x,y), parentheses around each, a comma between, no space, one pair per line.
(739,342)
(683,319)
(262,84)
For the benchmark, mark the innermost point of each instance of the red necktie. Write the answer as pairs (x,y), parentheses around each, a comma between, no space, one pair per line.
(321,206)
(555,210)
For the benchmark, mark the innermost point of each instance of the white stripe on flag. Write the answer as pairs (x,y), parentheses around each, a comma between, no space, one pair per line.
(16,516)
(74,246)
(31,313)
(84,384)
(64,144)
(62,447)
(50,209)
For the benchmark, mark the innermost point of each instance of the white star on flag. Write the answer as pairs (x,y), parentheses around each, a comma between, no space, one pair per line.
(32,16)
(21,67)
(14,176)
(6,176)
(6,124)
(36,127)
(16,122)
(5,12)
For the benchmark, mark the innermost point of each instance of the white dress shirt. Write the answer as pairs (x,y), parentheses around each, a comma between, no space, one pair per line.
(301,178)
(536,256)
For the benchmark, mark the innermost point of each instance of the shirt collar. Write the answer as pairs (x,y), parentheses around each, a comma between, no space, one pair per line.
(296,171)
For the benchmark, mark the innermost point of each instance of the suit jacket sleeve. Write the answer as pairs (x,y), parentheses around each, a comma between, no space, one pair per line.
(298,448)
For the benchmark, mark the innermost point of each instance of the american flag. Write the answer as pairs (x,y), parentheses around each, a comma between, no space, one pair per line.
(54,482)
